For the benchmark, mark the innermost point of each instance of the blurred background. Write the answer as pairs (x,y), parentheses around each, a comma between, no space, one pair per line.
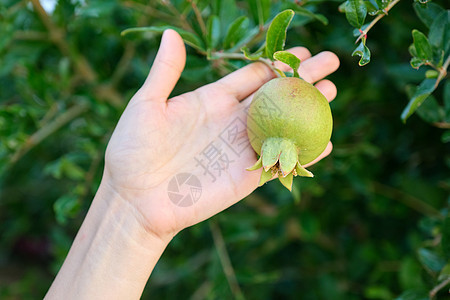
(372,224)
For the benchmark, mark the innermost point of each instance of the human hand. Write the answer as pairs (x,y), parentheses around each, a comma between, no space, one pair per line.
(158,138)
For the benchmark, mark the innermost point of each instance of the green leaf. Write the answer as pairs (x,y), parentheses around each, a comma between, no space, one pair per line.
(363,52)
(213,32)
(412,50)
(377,292)
(305,12)
(236,31)
(189,38)
(445,138)
(372,7)
(430,111)
(290,59)
(276,34)
(355,12)
(253,56)
(422,92)
(422,46)
(431,260)
(342,6)
(416,62)
(409,274)
(66,207)
(427,13)
(260,11)
(228,12)
(382,4)
(72,170)
(445,272)
(439,35)
(64,167)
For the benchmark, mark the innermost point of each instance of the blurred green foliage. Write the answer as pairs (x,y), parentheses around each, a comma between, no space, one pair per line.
(373,224)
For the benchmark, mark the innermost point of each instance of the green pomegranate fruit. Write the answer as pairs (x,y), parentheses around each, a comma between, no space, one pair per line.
(289,125)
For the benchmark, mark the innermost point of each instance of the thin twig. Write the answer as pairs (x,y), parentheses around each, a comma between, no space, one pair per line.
(225,260)
(50,114)
(241,56)
(49,129)
(442,71)
(378,18)
(437,288)
(30,35)
(202,291)
(179,16)
(260,14)
(16,7)
(405,198)
(123,63)
(198,15)
(443,125)
(148,10)
(57,36)
(81,64)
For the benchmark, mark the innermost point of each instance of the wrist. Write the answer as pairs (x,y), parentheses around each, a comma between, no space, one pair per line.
(113,254)
(148,203)
(123,210)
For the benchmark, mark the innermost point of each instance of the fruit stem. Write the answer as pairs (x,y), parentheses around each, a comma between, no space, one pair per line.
(241,56)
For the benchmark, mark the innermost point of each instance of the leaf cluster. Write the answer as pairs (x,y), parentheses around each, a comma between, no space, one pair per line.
(374,223)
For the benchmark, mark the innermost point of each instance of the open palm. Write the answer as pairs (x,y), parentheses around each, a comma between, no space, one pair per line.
(198,136)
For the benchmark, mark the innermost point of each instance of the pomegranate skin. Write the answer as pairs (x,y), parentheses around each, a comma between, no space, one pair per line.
(289,124)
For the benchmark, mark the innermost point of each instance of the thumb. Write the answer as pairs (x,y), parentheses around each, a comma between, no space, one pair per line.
(166,69)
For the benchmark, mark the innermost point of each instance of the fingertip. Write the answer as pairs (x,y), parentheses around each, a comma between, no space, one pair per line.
(328,149)
(172,40)
(318,66)
(331,58)
(167,67)
(327,88)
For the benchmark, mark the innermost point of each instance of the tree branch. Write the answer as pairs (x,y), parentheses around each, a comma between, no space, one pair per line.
(179,16)
(57,36)
(442,71)
(30,35)
(267,62)
(405,198)
(49,129)
(443,125)
(123,63)
(81,65)
(437,288)
(225,260)
(198,15)
(378,18)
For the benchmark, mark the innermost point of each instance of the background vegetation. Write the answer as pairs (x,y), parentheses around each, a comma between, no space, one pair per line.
(373,223)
